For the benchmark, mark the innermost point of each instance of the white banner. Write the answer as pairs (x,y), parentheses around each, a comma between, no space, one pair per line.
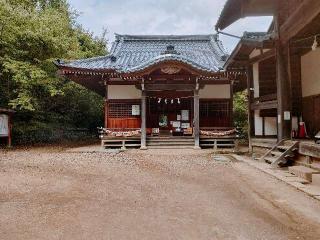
(4,125)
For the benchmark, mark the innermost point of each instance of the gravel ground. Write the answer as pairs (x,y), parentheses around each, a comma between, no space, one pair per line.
(166,194)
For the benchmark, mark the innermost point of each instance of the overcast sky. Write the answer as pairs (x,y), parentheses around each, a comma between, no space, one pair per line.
(160,17)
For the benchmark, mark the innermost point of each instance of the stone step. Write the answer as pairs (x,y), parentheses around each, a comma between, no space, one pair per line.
(303,172)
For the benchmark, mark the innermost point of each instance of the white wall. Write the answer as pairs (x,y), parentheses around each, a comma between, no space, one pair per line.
(256,80)
(270,124)
(257,123)
(215,91)
(123,92)
(310,73)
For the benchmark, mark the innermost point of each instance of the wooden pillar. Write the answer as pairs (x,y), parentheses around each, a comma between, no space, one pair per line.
(196,123)
(106,107)
(9,130)
(231,105)
(143,120)
(250,97)
(283,89)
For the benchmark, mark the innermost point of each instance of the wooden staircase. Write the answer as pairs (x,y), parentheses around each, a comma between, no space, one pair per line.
(281,154)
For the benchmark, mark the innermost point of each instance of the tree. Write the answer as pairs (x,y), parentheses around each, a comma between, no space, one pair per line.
(33,33)
(240,103)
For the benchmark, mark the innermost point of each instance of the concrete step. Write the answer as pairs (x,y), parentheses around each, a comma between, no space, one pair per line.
(303,172)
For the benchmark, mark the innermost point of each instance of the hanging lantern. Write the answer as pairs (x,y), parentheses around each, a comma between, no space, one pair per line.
(159,100)
(178,100)
(171,101)
(166,101)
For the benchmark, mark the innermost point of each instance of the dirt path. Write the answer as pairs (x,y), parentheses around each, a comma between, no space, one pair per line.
(146,195)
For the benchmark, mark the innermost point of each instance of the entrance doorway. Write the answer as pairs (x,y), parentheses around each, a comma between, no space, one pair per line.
(170,113)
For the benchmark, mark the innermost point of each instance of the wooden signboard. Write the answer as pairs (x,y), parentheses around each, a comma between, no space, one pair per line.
(4,125)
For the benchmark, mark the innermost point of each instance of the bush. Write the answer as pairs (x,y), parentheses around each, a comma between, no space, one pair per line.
(240,113)
(37,132)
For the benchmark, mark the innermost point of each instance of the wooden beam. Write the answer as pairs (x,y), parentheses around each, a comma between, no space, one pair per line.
(283,96)
(231,106)
(170,94)
(266,98)
(143,120)
(250,123)
(283,86)
(106,107)
(305,14)
(9,130)
(196,120)
(262,57)
(154,87)
(264,105)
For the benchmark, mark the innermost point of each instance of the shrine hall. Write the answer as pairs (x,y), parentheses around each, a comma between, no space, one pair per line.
(161,90)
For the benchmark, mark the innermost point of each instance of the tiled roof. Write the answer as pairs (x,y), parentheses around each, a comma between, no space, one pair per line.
(257,36)
(245,47)
(131,53)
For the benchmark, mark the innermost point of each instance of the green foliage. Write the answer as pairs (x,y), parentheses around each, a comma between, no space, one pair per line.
(240,106)
(33,33)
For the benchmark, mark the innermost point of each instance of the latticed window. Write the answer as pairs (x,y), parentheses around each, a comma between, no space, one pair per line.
(121,109)
(214,108)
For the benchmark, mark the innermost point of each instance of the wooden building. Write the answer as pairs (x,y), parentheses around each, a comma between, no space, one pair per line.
(161,86)
(282,65)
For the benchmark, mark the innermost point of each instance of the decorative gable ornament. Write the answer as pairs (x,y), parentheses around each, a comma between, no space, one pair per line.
(170,70)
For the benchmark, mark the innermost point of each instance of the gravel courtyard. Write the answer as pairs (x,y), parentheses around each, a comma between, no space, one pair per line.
(169,194)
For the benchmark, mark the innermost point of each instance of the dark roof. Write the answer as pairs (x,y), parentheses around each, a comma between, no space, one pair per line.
(236,9)
(244,48)
(132,53)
